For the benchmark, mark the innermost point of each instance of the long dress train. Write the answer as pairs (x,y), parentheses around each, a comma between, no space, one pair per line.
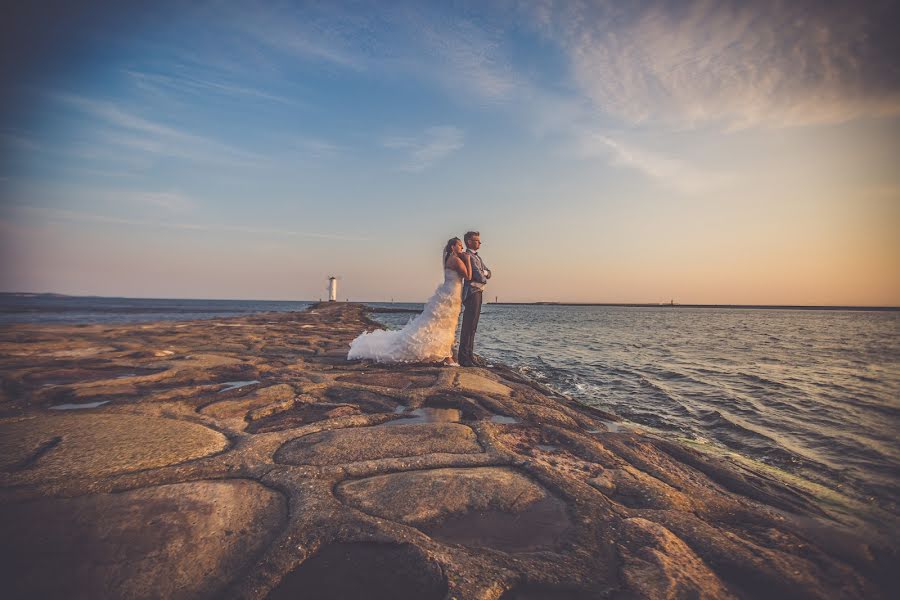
(427,337)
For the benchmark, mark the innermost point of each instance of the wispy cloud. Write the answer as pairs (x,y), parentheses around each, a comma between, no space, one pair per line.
(46,213)
(315,148)
(149,136)
(171,201)
(464,58)
(324,33)
(433,145)
(670,172)
(184,83)
(738,63)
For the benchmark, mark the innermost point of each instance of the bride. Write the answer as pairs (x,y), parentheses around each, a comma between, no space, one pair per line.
(429,336)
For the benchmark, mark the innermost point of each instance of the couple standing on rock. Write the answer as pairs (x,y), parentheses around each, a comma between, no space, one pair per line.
(429,337)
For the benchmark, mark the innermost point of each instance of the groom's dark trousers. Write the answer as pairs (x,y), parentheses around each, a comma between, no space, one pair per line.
(471,314)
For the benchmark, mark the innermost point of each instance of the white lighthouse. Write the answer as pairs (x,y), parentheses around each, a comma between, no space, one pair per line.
(332,288)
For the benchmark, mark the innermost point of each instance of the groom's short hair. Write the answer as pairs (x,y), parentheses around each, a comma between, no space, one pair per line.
(470,234)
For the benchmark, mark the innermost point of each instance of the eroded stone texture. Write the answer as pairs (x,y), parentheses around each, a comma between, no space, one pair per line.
(239,407)
(390,379)
(352,571)
(301,414)
(481,384)
(477,506)
(97,445)
(175,541)
(365,443)
(659,565)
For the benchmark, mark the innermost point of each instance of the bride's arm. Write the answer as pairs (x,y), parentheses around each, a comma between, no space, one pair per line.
(464,268)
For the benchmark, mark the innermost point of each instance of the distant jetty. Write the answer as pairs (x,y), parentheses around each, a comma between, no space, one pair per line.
(677,305)
(393,309)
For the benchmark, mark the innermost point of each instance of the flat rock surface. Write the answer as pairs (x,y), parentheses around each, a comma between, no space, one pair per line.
(483,506)
(185,540)
(247,458)
(417,497)
(358,444)
(47,447)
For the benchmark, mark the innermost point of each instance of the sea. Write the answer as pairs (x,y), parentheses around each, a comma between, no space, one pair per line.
(813,393)
(52,308)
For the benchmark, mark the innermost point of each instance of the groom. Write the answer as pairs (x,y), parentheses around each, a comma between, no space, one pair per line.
(472,291)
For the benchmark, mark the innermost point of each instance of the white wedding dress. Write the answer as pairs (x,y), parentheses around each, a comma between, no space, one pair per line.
(428,337)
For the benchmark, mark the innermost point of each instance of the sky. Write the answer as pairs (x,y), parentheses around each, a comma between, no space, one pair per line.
(701,152)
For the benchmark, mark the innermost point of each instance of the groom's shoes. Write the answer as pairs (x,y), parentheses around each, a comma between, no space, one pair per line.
(479,362)
(465,361)
(471,361)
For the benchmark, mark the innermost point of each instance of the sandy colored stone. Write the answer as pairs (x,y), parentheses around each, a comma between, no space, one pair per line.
(175,541)
(418,497)
(272,408)
(549,416)
(660,565)
(477,383)
(260,398)
(368,443)
(97,445)
(387,379)
(484,507)
(204,361)
(604,482)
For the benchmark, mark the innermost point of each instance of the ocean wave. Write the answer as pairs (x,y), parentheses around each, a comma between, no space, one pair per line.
(813,393)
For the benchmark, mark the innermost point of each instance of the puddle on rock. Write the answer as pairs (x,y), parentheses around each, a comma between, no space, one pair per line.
(611,427)
(233,385)
(375,571)
(541,525)
(548,447)
(504,419)
(427,415)
(77,406)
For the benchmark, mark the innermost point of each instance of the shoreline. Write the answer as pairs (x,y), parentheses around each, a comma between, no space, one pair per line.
(483,482)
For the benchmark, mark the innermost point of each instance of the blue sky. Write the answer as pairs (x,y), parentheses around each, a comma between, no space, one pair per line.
(707,152)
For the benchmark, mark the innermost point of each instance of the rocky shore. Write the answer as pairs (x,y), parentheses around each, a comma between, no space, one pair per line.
(246,458)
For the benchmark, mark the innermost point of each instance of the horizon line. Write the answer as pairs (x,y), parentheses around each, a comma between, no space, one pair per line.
(669,304)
